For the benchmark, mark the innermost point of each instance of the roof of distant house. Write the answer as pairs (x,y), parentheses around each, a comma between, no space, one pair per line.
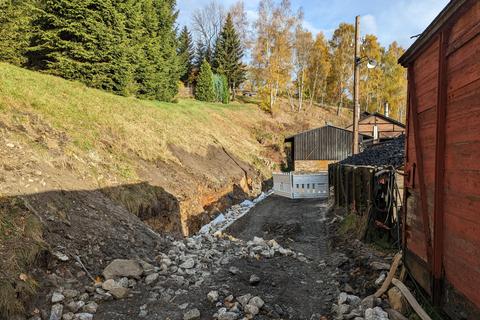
(367,114)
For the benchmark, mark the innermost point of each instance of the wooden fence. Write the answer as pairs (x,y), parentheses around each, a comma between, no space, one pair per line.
(373,193)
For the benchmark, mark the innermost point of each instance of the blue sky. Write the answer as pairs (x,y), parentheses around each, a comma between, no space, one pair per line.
(388,19)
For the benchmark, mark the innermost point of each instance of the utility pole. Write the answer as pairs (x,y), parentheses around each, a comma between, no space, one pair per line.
(356,86)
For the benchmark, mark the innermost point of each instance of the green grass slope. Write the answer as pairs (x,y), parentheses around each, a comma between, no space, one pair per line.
(116,128)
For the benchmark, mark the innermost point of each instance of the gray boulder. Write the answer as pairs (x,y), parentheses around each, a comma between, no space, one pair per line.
(123,268)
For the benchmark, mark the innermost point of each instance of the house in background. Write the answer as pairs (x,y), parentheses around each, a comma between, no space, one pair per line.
(314,150)
(379,126)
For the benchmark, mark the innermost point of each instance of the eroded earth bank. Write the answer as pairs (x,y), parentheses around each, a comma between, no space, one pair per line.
(279,259)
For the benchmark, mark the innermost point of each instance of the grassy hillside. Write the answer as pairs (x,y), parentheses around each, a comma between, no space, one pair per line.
(66,149)
(116,128)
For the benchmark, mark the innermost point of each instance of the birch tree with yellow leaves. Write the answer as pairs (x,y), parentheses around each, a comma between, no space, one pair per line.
(272,52)
(318,70)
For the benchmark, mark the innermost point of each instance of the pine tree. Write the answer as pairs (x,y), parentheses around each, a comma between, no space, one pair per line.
(205,91)
(228,56)
(185,55)
(128,47)
(15,29)
(202,52)
(79,40)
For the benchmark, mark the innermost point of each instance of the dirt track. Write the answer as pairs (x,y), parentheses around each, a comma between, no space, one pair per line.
(291,289)
(303,288)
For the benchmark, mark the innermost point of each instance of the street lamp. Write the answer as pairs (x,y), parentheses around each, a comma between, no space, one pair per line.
(356,83)
(371,63)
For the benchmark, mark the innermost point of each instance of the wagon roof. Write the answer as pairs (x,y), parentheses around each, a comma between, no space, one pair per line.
(409,55)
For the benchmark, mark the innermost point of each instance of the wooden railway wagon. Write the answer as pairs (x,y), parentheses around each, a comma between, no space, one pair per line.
(442,183)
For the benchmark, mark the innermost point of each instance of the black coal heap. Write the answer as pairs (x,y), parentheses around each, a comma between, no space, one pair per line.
(390,152)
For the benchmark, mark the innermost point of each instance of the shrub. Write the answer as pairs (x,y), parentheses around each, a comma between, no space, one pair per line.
(222,94)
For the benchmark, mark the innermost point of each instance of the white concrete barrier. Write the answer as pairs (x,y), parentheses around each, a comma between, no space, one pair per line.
(299,186)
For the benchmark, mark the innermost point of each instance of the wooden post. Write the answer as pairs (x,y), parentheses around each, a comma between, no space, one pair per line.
(356,86)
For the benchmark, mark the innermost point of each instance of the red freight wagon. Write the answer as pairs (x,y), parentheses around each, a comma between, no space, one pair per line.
(442,183)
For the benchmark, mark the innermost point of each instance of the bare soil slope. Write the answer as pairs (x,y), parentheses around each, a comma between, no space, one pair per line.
(81,170)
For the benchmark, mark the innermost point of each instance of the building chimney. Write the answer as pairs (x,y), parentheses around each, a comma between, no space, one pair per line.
(387,110)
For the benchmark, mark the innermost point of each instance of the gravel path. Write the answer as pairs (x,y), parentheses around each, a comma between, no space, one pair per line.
(283,259)
(292,287)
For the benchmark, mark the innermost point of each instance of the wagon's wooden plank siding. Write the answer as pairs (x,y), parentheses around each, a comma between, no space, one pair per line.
(426,77)
(462,165)
(465,23)
(426,86)
(458,197)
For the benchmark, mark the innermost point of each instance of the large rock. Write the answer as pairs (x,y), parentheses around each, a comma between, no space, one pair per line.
(257,301)
(84,316)
(56,312)
(342,298)
(228,316)
(375,314)
(70,293)
(119,292)
(397,301)
(244,299)
(57,297)
(123,268)
(251,309)
(369,302)
(395,315)
(151,278)
(254,280)
(110,284)
(191,314)
(212,296)
(188,264)
(91,307)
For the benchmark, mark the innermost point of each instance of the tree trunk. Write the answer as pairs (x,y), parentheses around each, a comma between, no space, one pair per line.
(312,96)
(324,90)
(300,92)
(290,100)
(340,102)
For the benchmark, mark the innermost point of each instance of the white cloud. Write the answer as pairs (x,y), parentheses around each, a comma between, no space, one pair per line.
(368,24)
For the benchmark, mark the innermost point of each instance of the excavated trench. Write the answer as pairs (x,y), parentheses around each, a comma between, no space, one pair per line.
(204,186)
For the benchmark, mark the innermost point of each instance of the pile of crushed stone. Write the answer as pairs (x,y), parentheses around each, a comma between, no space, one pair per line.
(387,153)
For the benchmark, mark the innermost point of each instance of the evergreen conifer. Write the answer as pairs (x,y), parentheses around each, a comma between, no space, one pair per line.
(228,56)
(204,90)
(185,55)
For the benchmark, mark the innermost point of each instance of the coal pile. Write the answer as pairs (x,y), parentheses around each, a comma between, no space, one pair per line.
(387,153)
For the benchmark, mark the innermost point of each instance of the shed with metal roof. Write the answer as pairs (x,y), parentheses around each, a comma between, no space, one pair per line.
(315,149)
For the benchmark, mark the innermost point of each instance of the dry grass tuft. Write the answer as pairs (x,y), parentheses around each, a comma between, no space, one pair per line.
(20,243)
